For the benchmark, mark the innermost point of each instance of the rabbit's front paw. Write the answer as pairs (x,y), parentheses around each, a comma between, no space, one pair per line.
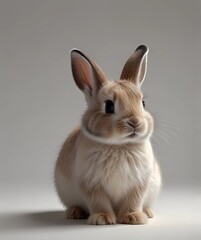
(148,212)
(102,219)
(75,212)
(134,218)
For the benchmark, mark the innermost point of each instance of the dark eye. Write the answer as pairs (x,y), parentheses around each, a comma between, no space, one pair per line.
(143,103)
(109,106)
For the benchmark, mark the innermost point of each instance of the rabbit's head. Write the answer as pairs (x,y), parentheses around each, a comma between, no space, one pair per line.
(116,111)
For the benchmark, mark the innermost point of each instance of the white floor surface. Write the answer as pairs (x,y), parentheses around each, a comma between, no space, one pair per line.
(37,214)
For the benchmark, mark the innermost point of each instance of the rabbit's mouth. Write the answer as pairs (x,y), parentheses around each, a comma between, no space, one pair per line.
(132,135)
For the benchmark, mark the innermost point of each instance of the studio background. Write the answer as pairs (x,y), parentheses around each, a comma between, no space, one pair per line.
(40,103)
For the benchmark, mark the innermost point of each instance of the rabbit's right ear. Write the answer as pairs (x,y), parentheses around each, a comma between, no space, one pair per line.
(136,66)
(87,74)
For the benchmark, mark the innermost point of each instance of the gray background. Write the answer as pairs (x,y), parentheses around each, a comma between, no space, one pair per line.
(40,104)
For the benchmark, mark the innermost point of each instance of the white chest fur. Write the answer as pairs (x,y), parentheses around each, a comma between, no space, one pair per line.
(115,169)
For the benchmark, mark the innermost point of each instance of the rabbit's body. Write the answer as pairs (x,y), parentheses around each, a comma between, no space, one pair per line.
(116,169)
(106,167)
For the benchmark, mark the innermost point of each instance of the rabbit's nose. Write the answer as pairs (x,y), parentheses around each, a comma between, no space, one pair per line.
(134,122)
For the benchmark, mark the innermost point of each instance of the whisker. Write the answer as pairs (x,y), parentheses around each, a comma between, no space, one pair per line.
(166,121)
(169,131)
(172,127)
(160,135)
(155,139)
(164,134)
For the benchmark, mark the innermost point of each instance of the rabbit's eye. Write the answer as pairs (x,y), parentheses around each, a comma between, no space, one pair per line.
(143,103)
(109,106)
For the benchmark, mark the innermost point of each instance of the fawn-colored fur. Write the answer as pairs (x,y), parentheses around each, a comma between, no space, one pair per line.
(106,168)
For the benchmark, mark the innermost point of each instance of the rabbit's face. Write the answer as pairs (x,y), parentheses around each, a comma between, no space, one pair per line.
(115,113)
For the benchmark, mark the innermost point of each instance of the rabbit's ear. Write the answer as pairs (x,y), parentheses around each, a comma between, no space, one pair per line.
(136,66)
(87,74)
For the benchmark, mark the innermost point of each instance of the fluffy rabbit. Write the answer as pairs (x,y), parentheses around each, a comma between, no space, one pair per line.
(106,170)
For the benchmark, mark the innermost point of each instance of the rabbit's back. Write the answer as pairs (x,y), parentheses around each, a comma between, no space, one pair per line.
(65,181)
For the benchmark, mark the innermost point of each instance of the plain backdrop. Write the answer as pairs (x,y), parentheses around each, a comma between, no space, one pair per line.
(40,104)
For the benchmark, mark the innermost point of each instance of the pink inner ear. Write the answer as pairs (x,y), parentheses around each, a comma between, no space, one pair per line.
(82,71)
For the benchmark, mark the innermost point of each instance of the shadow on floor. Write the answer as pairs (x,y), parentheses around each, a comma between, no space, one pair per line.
(37,220)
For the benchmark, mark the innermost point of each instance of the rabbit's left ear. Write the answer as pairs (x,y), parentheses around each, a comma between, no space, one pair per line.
(87,74)
(136,66)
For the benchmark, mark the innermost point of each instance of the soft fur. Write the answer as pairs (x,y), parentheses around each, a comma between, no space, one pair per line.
(106,168)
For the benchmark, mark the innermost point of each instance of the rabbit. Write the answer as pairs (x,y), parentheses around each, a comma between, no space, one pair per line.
(106,171)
